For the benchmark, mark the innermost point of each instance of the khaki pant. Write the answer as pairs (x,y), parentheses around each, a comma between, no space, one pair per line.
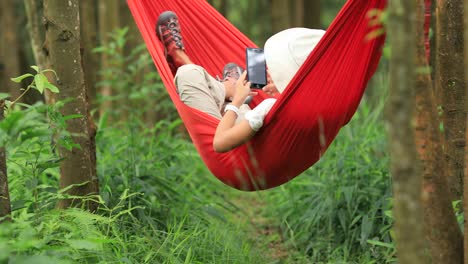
(200,90)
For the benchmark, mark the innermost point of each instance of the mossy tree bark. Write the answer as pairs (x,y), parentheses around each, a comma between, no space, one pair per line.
(63,40)
(10,65)
(441,225)
(450,88)
(405,169)
(5,205)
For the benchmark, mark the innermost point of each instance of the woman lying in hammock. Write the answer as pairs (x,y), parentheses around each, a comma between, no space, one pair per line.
(285,52)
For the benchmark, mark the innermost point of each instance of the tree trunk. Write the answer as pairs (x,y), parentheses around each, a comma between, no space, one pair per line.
(88,43)
(297,13)
(9,54)
(305,13)
(108,21)
(2,59)
(450,88)
(36,30)
(63,38)
(465,185)
(312,14)
(280,15)
(220,5)
(405,167)
(223,7)
(441,224)
(5,206)
(90,65)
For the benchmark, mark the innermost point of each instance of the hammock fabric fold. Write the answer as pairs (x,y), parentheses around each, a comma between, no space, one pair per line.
(321,98)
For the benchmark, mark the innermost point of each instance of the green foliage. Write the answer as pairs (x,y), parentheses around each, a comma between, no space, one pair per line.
(136,85)
(157,205)
(340,208)
(40,81)
(177,203)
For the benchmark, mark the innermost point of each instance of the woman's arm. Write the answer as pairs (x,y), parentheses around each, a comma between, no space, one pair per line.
(228,135)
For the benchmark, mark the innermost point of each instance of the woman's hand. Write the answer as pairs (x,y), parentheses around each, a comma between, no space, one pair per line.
(270,88)
(242,90)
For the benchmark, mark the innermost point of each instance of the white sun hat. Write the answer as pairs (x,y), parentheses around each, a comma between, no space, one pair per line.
(286,51)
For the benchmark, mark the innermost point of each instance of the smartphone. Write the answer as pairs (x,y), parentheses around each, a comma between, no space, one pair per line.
(256,68)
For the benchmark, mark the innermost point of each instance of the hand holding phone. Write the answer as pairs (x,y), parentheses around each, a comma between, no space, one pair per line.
(256,67)
(242,91)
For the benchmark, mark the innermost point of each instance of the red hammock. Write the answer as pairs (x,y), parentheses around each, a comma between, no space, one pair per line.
(322,97)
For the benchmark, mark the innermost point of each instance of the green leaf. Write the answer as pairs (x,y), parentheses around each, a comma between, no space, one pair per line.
(22,77)
(4,96)
(35,68)
(83,244)
(40,81)
(49,70)
(99,50)
(381,244)
(51,87)
(74,116)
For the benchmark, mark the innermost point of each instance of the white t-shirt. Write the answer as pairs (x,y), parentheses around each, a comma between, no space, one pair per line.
(257,115)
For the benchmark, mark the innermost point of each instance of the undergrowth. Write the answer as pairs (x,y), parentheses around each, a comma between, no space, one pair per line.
(156,204)
(159,204)
(339,210)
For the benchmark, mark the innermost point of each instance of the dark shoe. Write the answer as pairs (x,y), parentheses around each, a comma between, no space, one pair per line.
(168,32)
(232,70)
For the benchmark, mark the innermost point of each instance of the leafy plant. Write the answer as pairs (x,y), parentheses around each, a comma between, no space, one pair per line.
(156,205)
(40,83)
(339,209)
(136,86)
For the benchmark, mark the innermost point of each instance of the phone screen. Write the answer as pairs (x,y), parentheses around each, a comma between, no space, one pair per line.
(256,68)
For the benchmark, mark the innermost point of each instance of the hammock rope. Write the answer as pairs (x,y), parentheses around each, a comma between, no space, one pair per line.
(321,98)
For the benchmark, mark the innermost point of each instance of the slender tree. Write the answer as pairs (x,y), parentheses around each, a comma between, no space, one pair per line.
(5,206)
(223,7)
(306,13)
(36,30)
(90,65)
(108,20)
(63,40)
(297,13)
(10,59)
(2,59)
(88,21)
(442,229)
(312,10)
(465,185)
(405,167)
(450,88)
(280,15)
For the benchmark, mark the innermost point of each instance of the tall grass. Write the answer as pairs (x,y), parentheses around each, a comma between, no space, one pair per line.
(157,203)
(338,211)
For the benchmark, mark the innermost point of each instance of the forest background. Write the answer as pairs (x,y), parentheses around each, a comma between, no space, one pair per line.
(96,166)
